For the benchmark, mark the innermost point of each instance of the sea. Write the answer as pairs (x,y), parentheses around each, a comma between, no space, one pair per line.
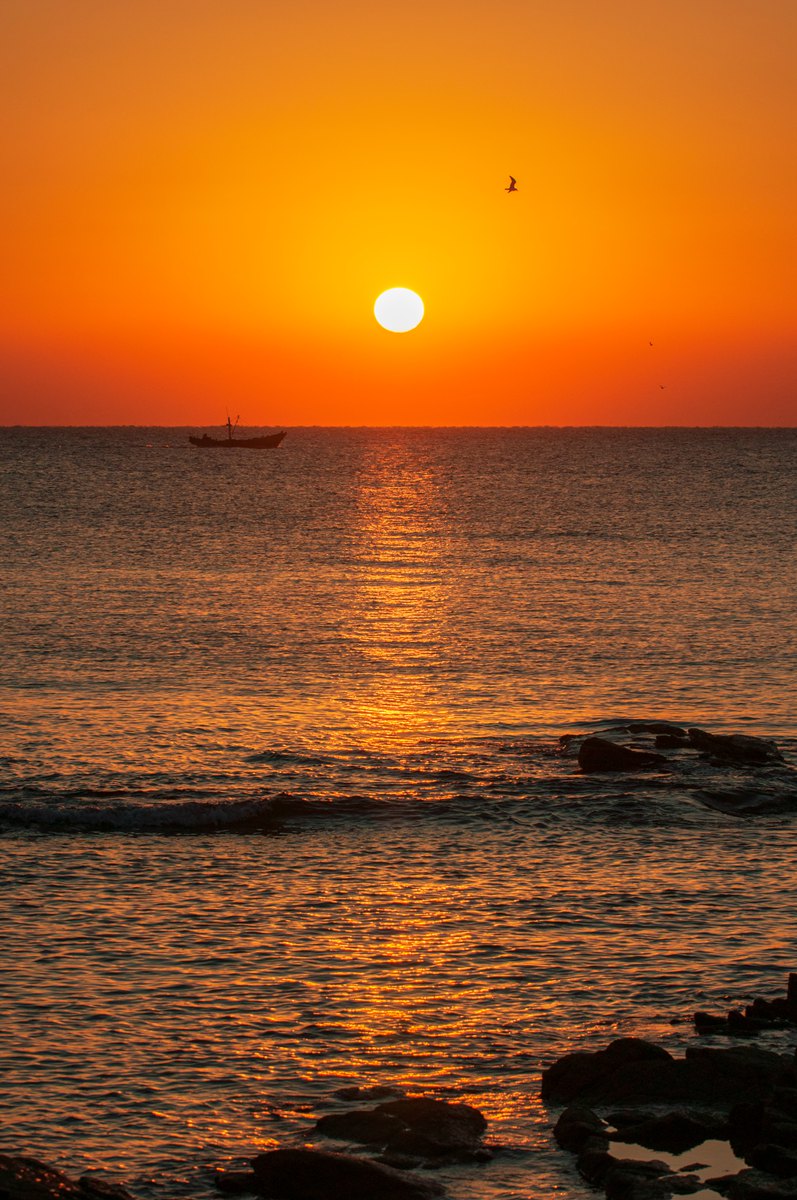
(284,804)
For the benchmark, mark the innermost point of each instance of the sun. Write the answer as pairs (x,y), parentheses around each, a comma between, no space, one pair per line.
(399,310)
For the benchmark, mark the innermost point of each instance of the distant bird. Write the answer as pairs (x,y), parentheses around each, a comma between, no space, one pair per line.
(650,343)
(512,184)
(662,386)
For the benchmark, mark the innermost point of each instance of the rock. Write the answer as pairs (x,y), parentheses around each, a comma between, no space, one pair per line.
(782,1133)
(662,728)
(710,1023)
(775,1011)
(599,754)
(629,1179)
(99,1189)
(741,1070)
(738,747)
(674,1132)
(418,1128)
(784,1101)
(317,1175)
(753,1185)
(670,741)
(365,1126)
(774,1160)
(576,1126)
(450,1127)
(570,1076)
(595,1164)
(635,1072)
(236,1183)
(760,1015)
(23,1178)
(684,1185)
(745,1125)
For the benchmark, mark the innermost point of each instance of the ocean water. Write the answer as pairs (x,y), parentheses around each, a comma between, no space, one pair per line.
(282,798)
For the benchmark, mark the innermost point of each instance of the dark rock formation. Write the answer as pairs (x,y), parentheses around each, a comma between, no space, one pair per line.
(236,1183)
(317,1175)
(738,747)
(630,1071)
(754,1185)
(761,1128)
(662,728)
(731,773)
(599,754)
(759,1016)
(674,1132)
(775,1160)
(577,1126)
(418,1128)
(576,1074)
(24,1178)
(366,1126)
(666,741)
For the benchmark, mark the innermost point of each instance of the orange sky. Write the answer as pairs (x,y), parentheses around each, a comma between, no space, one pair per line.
(203,198)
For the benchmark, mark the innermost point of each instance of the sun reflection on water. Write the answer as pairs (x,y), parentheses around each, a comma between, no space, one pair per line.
(401,596)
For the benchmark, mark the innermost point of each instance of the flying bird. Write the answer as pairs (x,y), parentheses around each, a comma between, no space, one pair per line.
(512,184)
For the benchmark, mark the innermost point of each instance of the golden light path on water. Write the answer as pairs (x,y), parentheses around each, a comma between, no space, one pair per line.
(444,904)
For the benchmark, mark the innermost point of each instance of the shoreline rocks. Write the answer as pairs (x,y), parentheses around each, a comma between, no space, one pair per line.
(637,745)
(757,1017)
(24,1178)
(741,1095)
(319,1175)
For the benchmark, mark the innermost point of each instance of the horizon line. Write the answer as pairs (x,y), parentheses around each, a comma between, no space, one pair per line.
(272,425)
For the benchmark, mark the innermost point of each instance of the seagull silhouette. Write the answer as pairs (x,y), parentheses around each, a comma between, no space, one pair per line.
(512,184)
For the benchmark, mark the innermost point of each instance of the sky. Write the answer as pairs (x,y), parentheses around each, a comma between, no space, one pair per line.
(202,199)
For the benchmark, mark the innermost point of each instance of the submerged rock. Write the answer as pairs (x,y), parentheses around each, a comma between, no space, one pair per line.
(23,1178)
(759,1016)
(738,747)
(318,1175)
(418,1128)
(663,728)
(599,754)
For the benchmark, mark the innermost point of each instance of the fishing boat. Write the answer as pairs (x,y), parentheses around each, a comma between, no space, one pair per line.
(268,442)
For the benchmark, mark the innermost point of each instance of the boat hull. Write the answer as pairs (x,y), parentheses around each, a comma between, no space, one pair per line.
(269,442)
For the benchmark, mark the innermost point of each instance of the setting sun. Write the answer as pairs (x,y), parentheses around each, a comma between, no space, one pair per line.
(399,310)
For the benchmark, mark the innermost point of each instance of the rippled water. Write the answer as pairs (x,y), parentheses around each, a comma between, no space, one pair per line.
(339,671)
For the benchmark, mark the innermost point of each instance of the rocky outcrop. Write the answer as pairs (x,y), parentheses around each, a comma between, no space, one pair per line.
(739,1094)
(599,754)
(23,1178)
(317,1175)
(736,774)
(417,1128)
(630,1071)
(735,747)
(756,1018)
(674,1132)
(637,744)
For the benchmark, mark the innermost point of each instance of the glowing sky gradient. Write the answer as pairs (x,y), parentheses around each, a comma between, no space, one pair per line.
(202,200)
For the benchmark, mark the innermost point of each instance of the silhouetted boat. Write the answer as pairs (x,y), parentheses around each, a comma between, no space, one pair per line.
(268,442)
